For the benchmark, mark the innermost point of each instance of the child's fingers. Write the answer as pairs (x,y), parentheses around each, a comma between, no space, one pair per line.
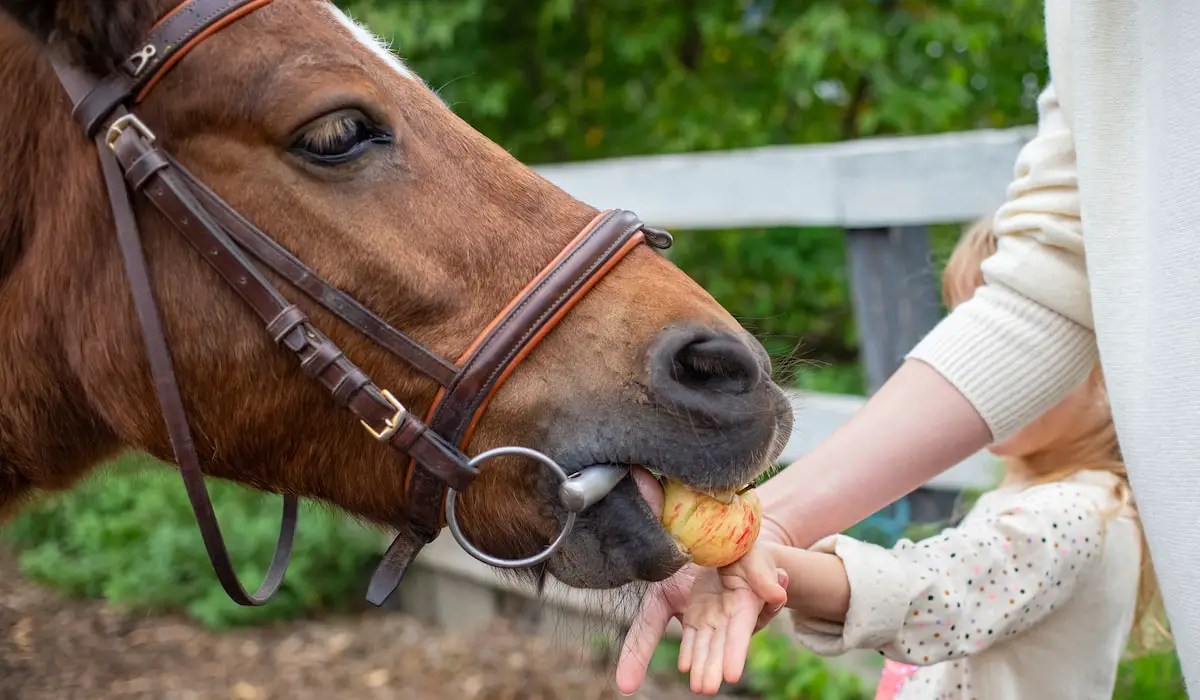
(764,580)
(714,663)
(737,642)
(769,612)
(685,649)
(765,616)
(701,648)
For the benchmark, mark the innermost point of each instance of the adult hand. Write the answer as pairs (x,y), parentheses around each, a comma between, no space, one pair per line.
(669,599)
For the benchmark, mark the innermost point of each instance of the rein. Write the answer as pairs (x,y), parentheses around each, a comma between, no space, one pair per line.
(436,467)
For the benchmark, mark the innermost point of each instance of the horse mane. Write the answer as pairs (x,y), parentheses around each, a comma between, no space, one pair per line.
(94,33)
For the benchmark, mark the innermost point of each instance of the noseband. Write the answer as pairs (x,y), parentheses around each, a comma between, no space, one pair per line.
(436,468)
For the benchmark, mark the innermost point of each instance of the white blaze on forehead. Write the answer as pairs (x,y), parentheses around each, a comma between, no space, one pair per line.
(369,40)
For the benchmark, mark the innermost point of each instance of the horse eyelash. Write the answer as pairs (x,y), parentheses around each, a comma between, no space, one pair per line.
(329,134)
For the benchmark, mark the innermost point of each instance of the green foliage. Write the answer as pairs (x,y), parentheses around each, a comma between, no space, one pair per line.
(557,80)
(129,536)
(778,669)
(1151,677)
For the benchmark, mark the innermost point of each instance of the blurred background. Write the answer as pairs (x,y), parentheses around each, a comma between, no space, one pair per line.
(107,592)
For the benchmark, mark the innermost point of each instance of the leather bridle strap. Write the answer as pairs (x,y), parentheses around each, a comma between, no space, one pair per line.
(515,332)
(170,39)
(166,386)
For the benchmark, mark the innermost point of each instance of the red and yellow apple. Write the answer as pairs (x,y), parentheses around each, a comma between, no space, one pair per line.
(715,529)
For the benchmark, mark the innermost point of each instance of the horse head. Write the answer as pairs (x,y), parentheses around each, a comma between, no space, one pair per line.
(299,120)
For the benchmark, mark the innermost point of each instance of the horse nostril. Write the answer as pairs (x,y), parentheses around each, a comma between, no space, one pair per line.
(720,364)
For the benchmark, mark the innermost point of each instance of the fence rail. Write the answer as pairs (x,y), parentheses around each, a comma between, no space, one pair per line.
(868,183)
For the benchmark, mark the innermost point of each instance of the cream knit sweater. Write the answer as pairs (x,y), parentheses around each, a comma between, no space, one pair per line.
(1116,162)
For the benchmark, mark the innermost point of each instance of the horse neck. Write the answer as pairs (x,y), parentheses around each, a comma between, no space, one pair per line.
(49,257)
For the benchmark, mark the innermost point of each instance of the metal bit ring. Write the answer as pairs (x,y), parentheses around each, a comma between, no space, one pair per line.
(456,531)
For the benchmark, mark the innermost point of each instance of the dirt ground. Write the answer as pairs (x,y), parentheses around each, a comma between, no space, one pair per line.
(62,649)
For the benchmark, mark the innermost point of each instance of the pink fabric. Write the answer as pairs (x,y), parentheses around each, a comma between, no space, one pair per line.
(894,676)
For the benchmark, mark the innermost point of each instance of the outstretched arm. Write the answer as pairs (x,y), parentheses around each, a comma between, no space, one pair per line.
(915,427)
(1016,348)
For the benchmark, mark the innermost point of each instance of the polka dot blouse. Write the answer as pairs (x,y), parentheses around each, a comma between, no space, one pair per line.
(1032,596)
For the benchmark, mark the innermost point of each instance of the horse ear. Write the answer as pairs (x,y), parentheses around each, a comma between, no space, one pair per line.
(99,34)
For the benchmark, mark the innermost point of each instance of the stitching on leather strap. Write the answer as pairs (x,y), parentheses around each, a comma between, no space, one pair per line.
(205,26)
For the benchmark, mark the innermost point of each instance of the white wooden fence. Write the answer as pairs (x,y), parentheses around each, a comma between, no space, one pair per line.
(883,192)
(880,182)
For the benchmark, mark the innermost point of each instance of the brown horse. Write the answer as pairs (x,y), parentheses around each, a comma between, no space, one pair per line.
(434,228)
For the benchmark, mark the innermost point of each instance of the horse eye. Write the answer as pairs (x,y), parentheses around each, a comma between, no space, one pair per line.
(339,139)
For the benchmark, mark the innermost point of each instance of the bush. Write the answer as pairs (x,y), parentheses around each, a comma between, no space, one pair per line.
(128,535)
(1151,677)
(778,669)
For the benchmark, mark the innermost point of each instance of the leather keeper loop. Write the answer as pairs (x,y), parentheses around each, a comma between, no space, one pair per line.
(94,109)
(144,167)
(285,322)
(349,385)
(323,356)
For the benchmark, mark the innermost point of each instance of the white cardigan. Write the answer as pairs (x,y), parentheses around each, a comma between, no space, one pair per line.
(1115,164)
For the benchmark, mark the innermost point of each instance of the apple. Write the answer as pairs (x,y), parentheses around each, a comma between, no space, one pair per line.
(715,530)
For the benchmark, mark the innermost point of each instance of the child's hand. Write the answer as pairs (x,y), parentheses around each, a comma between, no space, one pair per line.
(719,619)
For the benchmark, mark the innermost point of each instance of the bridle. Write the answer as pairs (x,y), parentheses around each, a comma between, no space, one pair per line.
(436,469)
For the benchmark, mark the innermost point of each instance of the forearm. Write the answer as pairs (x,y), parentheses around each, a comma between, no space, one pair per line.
(914,428)
(817,583)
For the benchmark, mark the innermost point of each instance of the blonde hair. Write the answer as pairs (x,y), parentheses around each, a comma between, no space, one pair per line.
(1095,449)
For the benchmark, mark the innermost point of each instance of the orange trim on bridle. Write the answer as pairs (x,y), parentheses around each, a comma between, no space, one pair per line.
(551,323)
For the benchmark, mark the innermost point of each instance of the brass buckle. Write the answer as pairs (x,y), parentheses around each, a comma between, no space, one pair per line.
(118,127)
(391,424)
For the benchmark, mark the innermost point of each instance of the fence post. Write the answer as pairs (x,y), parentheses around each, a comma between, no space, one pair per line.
(894,291)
